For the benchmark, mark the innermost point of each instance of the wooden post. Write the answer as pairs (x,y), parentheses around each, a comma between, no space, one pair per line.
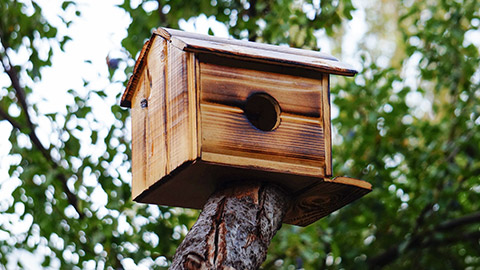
(234,230)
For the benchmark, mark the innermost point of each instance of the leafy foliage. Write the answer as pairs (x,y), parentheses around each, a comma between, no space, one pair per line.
(408,123)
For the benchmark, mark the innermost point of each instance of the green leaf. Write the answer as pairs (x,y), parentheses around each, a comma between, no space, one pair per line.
(66,4)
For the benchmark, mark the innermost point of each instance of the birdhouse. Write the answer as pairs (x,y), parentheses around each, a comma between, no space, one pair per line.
(208,110)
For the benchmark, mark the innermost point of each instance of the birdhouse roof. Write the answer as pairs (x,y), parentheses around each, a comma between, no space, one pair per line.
(240,49)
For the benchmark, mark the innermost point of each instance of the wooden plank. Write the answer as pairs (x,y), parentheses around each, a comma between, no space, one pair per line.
(139,123)
(238,49)
(232,86)
(199,117)
(197,180)
(156,147)
(313,198)
(259,163)
(327,124)
(192,106)
(296,146)
(165,126)
(351,181)
(323,198)
(178,124)
(168,33)
(234,51)
(137,72)
(256,51)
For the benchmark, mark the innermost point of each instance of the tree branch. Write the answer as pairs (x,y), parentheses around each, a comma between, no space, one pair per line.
(421,217)
(19,91)
(470,236)
(425,240)
(454,223)
(252,13)
(11,120)
(234,229)
(163,18)
(21,98)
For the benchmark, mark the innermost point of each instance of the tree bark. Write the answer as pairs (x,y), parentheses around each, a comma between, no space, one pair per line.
(234,230)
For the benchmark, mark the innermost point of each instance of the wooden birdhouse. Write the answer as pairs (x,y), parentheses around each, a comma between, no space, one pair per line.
(208,110)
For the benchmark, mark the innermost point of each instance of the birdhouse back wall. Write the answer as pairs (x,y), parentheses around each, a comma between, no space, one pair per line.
(190,106)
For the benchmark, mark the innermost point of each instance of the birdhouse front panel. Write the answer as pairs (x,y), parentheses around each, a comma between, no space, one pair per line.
(229,136)
(208,111)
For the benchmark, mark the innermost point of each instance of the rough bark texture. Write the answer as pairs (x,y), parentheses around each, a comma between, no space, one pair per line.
(234,230)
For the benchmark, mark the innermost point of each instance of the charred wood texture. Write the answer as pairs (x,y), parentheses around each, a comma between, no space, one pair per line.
(234,229)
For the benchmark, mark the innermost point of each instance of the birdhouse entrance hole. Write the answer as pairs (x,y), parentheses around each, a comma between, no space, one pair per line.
(263,111)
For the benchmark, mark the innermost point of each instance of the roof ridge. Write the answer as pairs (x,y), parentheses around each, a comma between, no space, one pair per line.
(169,33)
(237,49)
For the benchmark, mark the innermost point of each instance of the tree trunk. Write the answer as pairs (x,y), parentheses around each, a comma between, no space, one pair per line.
(234,230)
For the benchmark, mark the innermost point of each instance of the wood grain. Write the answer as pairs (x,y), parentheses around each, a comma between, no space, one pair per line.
(156,137)
(169,33)
(132,84)
(238,49)
(197,107)
(227,132)
(164,128)
(327,125)
(297,145)
(256,52)
(190,133)
(177,109)
(312,197)
(193,106)
(232,86)
(323,198)
(139,158)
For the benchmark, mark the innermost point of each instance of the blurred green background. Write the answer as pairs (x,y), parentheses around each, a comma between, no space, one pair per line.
(409,123)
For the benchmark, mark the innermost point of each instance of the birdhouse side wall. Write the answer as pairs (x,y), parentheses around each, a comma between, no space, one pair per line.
(298,145)
(164,134)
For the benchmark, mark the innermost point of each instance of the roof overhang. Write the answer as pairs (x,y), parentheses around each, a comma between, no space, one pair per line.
(240,49)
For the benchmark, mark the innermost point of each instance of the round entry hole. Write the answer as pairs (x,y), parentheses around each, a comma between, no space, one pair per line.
(263,111)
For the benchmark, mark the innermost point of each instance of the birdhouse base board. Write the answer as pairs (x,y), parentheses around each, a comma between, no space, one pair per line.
(323,198)
(191,184)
